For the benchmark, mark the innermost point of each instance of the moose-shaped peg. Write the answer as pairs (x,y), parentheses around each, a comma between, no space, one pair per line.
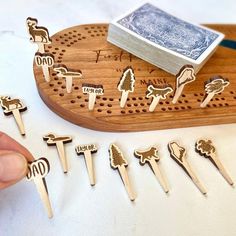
(13,106)
(151,157)
(68,74)
(59,141)
(38,34)
(37,171)
(157,93)
(87,150)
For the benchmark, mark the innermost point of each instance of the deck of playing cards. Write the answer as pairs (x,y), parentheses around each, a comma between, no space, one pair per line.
(162,39)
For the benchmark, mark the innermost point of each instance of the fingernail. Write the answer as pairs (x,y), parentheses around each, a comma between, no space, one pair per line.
(12,167)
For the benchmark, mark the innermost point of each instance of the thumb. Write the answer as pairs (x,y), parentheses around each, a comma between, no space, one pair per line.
(13,167)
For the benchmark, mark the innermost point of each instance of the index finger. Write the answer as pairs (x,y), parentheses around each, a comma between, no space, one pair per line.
(9,144)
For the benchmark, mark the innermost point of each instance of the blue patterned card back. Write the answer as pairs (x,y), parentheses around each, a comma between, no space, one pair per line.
(168,31)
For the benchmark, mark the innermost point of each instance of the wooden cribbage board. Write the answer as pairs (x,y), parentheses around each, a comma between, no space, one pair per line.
(85,48)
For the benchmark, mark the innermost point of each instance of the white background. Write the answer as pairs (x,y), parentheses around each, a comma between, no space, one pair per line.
(105,209)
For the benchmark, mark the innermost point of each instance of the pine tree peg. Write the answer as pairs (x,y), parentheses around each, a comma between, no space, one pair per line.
(206,148)
(68,74)
(93,91)
(150,157)
(117,161)
(185,76)
(214,86)
(59,141)
(178,153)
(157,93)
(38,34)
(44,60)
(14,107)
(37,171)
(126,85)
(87,150)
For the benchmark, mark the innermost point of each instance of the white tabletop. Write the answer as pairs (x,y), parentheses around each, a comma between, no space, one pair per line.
(105,209)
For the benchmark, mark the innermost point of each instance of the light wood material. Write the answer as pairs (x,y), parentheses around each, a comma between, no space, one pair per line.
(14,107)
(38,170)
(126,181)
(117,161)
(87,150)
(59,141)
(85,47)
(151,157)
(159,175)
(206,148)
(19,122)
(178,153)
(124,97)
(221,168)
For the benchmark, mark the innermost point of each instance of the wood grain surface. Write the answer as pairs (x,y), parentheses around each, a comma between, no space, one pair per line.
(85,48)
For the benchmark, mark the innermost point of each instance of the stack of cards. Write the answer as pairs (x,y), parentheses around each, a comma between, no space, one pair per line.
(162,39)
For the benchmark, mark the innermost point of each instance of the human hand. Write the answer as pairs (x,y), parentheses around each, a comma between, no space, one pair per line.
(13,161)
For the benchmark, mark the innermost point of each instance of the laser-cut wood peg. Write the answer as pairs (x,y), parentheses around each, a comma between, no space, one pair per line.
(38,34)
(157,93)
(44,60)
(178,153)
(185,76)
(68,74)
(126,85)
(117,161)
(87,150)
(214,86)
(14,107)
(206,148)
(59,141)
(37,171)
(93,91)
(151,157)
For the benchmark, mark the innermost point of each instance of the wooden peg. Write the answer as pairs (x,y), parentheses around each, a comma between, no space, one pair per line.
(178,153)
(44,60)
(68,74)
(126,85)
(87,150)
(13,107)
(186,75)
(214,86)
(38,34)
(151,157)
(93,91)
(206,148)
(157,93)
(37,170)
(117,161)
(59,141)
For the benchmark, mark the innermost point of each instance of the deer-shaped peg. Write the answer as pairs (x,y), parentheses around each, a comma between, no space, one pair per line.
(14,107)
(38,34)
